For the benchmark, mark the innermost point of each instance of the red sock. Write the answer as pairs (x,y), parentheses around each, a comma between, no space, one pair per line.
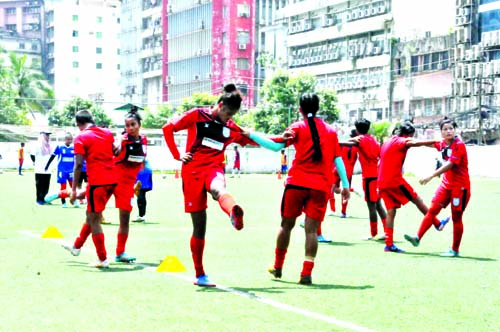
(279,259)
(307,267)
(332,202)
(389,236)
(373,228)
(318,231)
(344,206)
(458,229)
(100,248)
(84,234)
(429,219)
(121,242)
(226,203)
(197,246)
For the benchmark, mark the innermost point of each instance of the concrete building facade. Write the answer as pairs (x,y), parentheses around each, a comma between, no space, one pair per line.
(207,44)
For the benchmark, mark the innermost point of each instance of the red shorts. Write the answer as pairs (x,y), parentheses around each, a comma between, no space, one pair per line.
(195,188)
(124,194)
(370,189)
(98,196)
(459,198)
(300,199)
(395,197)
(236,165)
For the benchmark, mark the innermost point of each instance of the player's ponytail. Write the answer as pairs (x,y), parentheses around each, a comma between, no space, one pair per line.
(231,98)
(309,104)
(406,129)
(134,114)
(446,120)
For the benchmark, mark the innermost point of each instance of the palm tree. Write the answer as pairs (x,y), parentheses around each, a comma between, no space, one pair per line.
(32,89)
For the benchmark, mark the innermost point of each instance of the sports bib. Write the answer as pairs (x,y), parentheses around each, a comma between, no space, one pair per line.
(135,159)
(211,143)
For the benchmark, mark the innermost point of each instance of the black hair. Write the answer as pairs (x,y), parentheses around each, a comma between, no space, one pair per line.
(134,114)
(309,104)
(405,128)
(228,88)
(22,143)
(362,126)
(83,117)
(446,120)
(231,97)
(354,133)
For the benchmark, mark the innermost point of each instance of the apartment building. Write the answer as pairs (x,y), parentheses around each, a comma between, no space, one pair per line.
(82,48)
(208,43)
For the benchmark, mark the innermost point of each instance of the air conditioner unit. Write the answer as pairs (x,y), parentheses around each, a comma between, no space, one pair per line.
(170,9)
(307,27)
(348,16)
(196,77)
(242,46)
(361,13)
(292,29)
(352,53)
(354,15)
(372,10)
(170,80)
(208,76)
(381,9)
(200,52)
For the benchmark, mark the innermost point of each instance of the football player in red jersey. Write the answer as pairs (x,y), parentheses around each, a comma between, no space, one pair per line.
(349,157)
(96,146)
(393,188)
(454,188)
(369,154)
(308,183)
(209,132)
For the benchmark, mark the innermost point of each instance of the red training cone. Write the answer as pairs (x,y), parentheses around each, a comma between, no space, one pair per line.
(176,173)
(279,175)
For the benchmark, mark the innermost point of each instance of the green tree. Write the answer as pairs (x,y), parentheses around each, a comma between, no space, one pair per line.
(280,95)
(66,116)
(197,99)
(157,119)
(380,130)
(10,113)
(33,91)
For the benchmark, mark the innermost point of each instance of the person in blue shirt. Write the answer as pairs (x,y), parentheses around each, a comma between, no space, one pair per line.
(144,183)
(66,161)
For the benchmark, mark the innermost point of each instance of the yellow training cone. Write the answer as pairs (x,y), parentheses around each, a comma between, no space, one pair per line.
(52,233)
(171,264)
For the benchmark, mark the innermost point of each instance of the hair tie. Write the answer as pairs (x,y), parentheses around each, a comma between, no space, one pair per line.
(309,115)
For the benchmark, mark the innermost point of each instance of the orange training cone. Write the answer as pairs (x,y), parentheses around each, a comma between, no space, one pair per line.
(279,175)
(176,173)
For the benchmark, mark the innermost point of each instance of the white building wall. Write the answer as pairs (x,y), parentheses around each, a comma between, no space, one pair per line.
(77,72)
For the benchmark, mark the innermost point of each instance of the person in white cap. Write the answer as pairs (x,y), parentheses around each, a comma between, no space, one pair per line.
(40,155)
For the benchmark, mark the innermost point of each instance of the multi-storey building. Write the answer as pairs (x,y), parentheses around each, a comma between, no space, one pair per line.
(21,28)
(477,68)
(208,43)
(141,56)
(82,49)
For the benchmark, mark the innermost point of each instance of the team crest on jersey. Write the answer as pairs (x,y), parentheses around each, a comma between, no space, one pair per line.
(225,132)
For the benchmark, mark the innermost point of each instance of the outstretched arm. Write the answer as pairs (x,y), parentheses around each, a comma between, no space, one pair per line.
(443,169)
(266,142)
(416,143)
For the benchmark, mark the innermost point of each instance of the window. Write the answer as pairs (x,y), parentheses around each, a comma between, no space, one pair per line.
(99,19)
(427,62)
(444,59)
(243,37)
(75,18)
(224,64)
(118,67)
(428,107)
(98,65)
(10,11)
(75,64)
(75,49)
(414,63)
(242,63)
(243,10)
(21,46)
(435,61)
(224,38)
(118,52)
(75,33)
(11,27)
(34,47)
(224,11)
(98,35)
(98,50)
(243,88)
(438,106)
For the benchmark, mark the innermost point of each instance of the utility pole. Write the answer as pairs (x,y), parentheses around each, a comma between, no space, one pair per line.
(480,93)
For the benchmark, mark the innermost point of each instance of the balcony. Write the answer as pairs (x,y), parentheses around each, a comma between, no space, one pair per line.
(151,51)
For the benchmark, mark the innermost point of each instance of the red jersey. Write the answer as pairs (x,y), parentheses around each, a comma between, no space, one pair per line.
(131,158)
(458,176)
(392,158)
(369,152)
(304,172)
(207,138)
(96,146)
(349,157)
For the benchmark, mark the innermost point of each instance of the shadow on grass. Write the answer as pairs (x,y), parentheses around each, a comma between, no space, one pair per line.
(280,289)
(433,254)
(337,243)
(117,267)
(116,224)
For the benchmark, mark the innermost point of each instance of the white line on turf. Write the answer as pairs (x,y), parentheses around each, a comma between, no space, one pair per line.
(251,296)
